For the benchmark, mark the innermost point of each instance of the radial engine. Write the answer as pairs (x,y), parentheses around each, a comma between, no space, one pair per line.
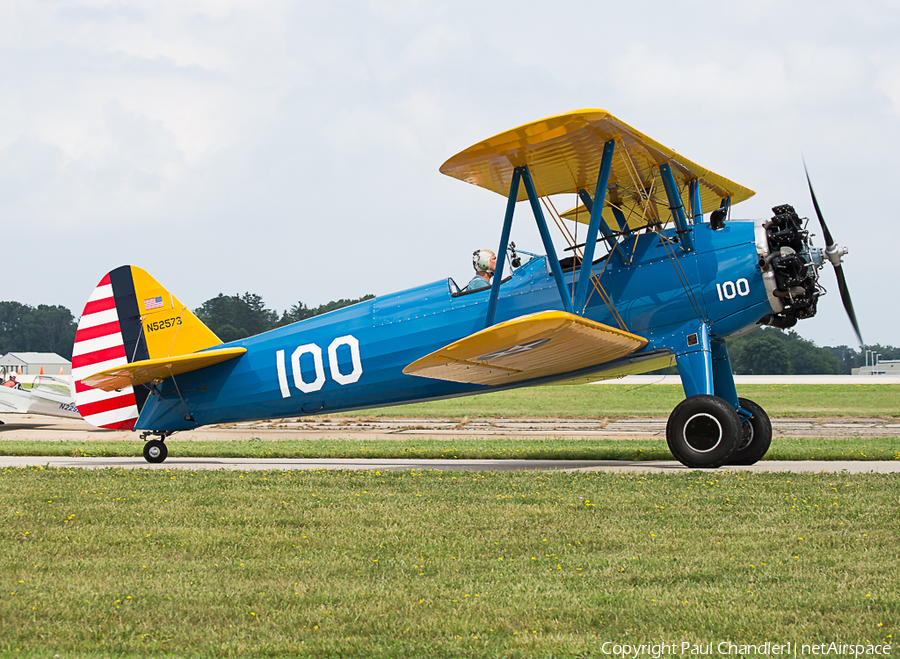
(790,267)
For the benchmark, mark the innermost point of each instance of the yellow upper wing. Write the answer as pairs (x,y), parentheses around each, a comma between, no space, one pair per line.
(527,347)
(151,370)
(564,152)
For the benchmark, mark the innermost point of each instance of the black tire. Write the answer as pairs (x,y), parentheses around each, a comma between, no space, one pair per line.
(756,435)
(155,451)
(703,431)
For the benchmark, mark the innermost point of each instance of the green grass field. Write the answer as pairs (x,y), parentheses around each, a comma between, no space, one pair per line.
(408,564)
(617,400)
(440,563)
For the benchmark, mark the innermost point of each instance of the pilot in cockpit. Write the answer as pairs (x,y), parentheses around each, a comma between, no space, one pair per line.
(484,261)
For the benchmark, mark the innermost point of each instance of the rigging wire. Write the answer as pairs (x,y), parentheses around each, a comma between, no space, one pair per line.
(177,327)
(657,227)
(667,244)
(573,245)
(187,415)
(682,278)
(138,342)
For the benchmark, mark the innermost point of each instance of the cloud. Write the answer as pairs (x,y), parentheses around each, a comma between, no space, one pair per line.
(258,142)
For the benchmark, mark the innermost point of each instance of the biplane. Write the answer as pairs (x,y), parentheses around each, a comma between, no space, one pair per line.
(673,277)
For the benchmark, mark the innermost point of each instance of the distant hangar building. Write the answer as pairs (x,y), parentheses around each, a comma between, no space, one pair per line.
(884,367)
(31,363)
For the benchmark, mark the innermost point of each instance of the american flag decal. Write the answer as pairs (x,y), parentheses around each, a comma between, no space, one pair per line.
(153,303)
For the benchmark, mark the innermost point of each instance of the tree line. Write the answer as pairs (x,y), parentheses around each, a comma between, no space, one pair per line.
(234,317)
(771,351)
(763,351)
(44,328)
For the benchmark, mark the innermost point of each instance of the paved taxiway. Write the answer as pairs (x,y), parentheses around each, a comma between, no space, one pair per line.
(32,427)
(360,464)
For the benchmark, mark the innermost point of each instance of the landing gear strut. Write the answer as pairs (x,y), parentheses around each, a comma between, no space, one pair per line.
(155,450)
(712,426)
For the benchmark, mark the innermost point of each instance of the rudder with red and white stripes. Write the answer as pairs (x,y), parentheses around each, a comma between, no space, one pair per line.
(99,344)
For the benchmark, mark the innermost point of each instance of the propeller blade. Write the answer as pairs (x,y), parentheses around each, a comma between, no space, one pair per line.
(848,303)
(838,270)
(829,241)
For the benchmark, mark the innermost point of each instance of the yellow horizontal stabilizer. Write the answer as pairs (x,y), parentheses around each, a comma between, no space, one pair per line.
(564,152)
(151,370)
(527,347)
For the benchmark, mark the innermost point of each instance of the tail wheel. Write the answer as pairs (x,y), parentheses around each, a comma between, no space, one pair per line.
(155,451)
(756,435)
(703,431)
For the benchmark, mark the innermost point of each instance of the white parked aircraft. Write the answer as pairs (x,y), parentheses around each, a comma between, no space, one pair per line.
(49,395)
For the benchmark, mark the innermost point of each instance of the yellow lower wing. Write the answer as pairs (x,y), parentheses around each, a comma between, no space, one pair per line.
(532,346)
(151,370)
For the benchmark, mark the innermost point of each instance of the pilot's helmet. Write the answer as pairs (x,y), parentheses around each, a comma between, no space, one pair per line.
(481,260)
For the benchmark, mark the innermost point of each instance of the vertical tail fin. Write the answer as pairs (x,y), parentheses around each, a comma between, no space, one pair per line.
(129,317)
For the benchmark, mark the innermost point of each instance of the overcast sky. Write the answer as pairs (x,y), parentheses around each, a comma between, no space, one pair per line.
(291,149)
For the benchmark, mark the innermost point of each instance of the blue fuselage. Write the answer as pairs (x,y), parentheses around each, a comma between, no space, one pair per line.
(353,358)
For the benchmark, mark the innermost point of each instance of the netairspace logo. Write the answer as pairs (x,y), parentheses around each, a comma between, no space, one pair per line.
(726,648)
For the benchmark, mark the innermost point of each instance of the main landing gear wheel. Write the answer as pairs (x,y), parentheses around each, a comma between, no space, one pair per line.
(703,431)
(155,451)
(756,435)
